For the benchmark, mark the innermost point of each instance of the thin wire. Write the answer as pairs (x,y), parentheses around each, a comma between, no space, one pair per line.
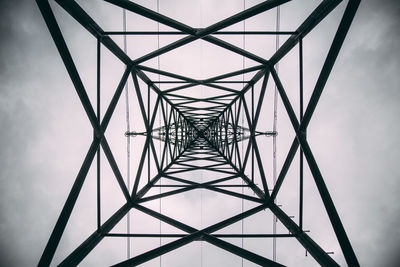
(128,143)
(274,175)
(234,123)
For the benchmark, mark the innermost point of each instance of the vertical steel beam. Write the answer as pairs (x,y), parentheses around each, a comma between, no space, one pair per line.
(148,123)
(98,181)
(301,172)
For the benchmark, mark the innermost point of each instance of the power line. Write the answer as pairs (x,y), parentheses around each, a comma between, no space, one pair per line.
(128,142)
(274,148)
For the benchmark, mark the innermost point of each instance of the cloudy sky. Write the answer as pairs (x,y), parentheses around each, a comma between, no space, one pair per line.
(45,133)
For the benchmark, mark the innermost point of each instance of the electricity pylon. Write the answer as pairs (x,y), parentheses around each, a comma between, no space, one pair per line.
(212,133)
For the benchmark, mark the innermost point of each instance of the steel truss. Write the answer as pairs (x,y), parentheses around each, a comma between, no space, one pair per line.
(211,133)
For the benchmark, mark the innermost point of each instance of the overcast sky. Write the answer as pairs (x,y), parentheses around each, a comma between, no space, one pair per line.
(45,133)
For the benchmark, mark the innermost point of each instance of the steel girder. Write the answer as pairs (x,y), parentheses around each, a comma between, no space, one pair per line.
(210,133)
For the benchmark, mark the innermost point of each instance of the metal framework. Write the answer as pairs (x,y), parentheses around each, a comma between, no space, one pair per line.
(210,133)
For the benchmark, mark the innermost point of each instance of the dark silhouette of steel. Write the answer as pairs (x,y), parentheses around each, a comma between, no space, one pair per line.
(191,134)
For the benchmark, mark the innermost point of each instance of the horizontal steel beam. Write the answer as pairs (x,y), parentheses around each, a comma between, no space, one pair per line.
(215,235)
(184,33)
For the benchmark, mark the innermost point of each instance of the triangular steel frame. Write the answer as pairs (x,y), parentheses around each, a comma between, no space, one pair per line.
(190,135)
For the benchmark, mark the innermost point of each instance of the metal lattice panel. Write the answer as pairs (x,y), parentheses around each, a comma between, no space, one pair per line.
(217,133)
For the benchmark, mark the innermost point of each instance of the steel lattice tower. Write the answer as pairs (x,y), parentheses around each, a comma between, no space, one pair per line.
(212,133)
